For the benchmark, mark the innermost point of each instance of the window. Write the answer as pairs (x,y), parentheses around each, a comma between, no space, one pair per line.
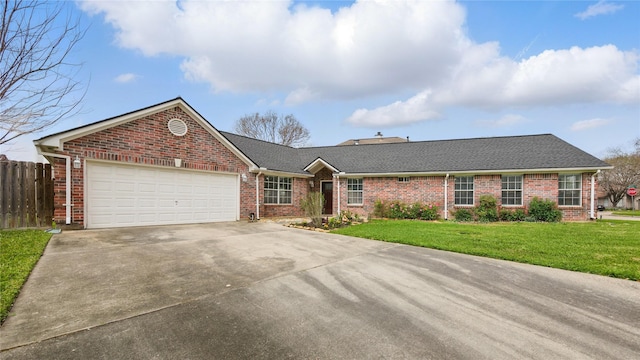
(569,189)
(277,190)
(354,191)
(512,190)
(405,179)
(463,190)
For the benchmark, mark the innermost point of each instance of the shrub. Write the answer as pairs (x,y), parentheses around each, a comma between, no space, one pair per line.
(463,215)
(512,215)
(487,210)
(544,210)
(429,212)
(312,205)
(380,209)
(397,209)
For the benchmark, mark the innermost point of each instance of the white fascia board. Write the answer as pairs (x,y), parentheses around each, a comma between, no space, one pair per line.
(268,172)
(57,141)
(319,163)
(476,172)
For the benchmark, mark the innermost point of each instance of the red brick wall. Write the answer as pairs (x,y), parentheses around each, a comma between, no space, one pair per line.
(430,190)
(299,189)
(148,141)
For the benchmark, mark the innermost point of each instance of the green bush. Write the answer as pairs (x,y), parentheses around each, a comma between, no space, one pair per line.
(512,215)
(397,209)
(463,215)
(380,209)
(487,210)
(312,205)
(429,212)
(544,210)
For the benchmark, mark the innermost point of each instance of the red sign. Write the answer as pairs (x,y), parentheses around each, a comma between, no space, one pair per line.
(632,192)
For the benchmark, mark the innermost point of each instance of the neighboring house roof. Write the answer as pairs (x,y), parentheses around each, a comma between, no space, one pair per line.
(375,140)
(543,152)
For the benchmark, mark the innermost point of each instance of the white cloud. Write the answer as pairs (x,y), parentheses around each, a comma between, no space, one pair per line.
(399,113)
(589,124)
(310,53)
(126,78)
(505,121)
(555,77)
(602,7)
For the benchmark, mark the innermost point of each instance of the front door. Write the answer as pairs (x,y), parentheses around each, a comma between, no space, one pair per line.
(327,192)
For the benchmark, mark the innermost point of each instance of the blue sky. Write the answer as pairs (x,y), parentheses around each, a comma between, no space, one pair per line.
(426,69)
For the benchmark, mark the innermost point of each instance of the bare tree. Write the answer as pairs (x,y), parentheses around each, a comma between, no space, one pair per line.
(626,172)
(272,127)
(37,81)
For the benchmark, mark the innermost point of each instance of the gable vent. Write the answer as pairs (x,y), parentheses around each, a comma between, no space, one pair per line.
(177,127)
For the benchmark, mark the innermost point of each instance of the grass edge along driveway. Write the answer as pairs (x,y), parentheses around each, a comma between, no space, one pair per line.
(604,247)
(20,250)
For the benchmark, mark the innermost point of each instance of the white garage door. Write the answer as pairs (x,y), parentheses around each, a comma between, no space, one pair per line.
(126,195)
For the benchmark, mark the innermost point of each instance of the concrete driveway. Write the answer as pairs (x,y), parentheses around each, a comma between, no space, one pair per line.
(238,290)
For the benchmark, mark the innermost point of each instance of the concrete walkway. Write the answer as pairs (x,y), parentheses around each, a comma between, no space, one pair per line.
(246,291)
(608,215)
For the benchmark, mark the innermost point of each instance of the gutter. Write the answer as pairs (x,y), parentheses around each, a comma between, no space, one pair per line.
(68,204)
(476,172)
(446,197)
(258,195)
(337,176)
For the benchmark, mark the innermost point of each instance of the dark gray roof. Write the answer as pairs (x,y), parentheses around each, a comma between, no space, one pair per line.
(509,153)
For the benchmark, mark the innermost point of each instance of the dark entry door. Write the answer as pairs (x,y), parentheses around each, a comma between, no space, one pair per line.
(327,192)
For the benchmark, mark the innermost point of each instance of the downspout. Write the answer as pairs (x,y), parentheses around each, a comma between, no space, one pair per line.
(593,195)
(68,204)
(258,195)
(338,178)
(446,197)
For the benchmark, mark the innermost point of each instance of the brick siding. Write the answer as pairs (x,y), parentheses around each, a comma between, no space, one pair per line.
(147,140)
(430,190)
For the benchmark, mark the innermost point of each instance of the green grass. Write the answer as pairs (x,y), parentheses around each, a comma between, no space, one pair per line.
(610,248)
(19,253)
(627,212)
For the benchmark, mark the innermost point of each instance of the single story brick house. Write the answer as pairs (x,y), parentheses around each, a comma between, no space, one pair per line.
(166,164)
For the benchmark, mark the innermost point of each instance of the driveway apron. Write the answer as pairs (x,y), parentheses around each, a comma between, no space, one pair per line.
(260,290)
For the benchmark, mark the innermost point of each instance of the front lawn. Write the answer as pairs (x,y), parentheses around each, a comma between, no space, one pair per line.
(610,248)
(19,253)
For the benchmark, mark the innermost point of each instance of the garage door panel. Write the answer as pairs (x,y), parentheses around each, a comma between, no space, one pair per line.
(125,195)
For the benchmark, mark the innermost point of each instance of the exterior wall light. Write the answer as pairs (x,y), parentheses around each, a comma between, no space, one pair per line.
(311,183)
(77,163)
(244,177)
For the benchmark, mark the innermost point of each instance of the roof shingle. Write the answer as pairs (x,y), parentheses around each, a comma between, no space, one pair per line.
(508,153)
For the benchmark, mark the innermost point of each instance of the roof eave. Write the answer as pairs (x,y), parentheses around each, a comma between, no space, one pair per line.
(318,164)
(56,141)
(474,172)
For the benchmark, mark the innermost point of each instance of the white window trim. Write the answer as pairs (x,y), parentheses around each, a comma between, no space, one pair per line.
(354,191)
(580,189)
(473,191)
(277,180)
(521,191)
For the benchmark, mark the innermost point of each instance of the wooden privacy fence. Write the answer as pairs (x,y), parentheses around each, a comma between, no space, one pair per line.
(26,197)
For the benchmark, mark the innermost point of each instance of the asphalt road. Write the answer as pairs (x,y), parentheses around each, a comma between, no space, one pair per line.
(239,291)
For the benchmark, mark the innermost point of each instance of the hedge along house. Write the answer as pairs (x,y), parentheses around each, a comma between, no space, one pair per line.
(166,164)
